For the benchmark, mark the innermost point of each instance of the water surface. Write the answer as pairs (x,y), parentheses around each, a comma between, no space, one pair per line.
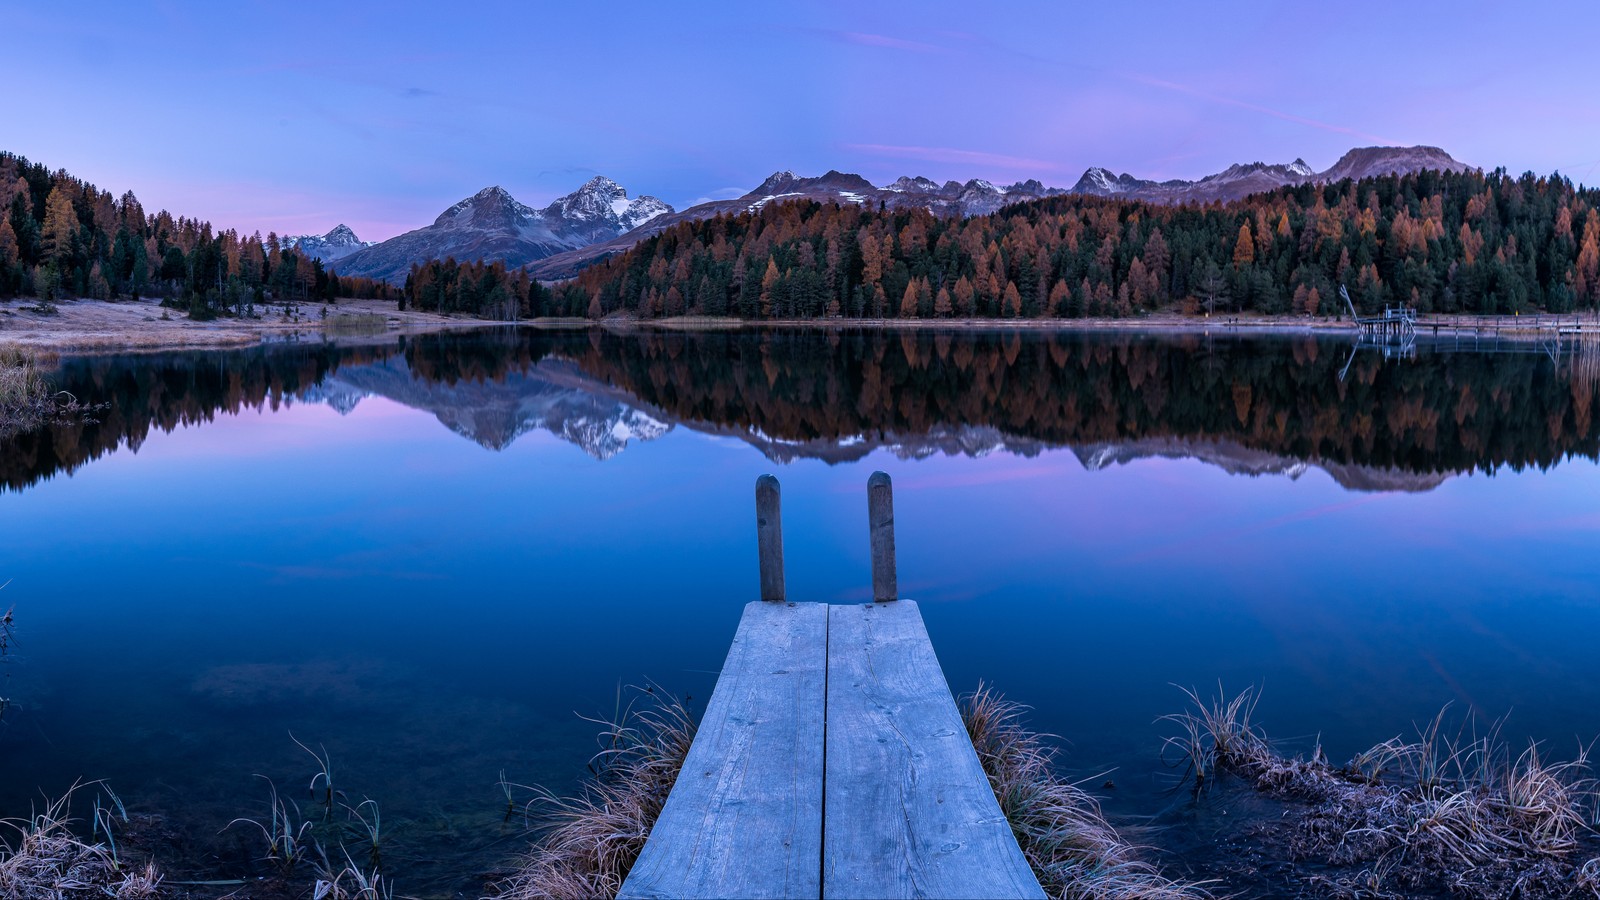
(428,555)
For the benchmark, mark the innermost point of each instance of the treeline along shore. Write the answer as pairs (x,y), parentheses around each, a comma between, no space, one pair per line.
(1449,243)
(62,238)
(1444,243)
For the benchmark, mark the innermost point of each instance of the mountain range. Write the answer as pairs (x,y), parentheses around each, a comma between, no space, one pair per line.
(1241,180)
(336,244)
(599,220)
(493,225)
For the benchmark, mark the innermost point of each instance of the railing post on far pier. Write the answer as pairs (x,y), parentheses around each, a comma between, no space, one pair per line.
(769,538)
(880,521)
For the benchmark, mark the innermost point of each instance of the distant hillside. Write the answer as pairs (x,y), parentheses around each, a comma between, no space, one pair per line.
(977,197)
(493,226)
(1451,241)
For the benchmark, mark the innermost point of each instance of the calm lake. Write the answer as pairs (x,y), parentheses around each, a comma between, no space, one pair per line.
(431,555)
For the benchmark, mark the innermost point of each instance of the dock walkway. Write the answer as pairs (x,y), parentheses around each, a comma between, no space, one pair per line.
(831,760)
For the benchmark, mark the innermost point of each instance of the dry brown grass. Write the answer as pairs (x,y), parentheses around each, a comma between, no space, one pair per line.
(1073,850)
(47,861)
(1454,811)
(24,396)
(26,401)
(590,842)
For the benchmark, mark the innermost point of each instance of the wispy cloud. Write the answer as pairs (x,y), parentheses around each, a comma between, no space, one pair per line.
(893,43)
(413,92)
(867,39)
(1174,87)
(1191,91)
(583,171)
(955,155)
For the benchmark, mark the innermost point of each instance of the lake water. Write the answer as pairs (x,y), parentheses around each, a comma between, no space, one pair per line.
(429,554)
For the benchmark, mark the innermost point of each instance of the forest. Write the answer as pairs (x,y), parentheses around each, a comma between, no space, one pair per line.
(1441,242)
(484,289)
(63,237)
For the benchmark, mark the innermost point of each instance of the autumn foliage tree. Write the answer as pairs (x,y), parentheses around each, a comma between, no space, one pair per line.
(1445,242)
(62,237)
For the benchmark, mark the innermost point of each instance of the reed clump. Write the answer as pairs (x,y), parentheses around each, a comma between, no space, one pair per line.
(24,396)
(48,860)
(26,401)
(588,843)
(1454,811)
(1074,852)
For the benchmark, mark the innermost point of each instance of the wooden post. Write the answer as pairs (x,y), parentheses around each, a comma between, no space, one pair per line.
(769,538)
(880,521)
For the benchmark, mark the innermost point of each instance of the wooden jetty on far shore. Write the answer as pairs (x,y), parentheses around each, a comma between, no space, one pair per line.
(1396,322)
(831,760)
(1402,324)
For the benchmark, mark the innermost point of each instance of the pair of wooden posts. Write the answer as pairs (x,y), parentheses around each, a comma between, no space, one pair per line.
(880,524)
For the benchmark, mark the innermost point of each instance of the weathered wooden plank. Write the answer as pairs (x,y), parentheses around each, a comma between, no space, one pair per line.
(745,816)
(908,810)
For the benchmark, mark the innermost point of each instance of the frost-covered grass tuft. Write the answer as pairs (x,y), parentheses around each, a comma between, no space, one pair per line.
(591,841)
(1073,850)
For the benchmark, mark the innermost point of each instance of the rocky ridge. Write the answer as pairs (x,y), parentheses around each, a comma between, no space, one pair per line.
(336,244)
(493,225)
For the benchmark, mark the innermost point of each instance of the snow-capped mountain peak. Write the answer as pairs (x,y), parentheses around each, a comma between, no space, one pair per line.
(913,184)
(602,204)
(492,204)
(341,235)
(336,244)
(492,224)
(641,210)
(1097,178)
(599,199)
(776,183)
(1299,167)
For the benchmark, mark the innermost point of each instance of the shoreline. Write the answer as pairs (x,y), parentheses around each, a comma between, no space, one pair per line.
(145,326)
(99,326)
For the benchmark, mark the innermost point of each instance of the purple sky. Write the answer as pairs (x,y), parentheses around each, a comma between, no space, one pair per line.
(262,116)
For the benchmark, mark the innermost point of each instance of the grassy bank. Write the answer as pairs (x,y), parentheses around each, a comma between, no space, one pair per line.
(47,859)
(103,326)
(100,326)
(26,401)
(1073,851)
(1453,812)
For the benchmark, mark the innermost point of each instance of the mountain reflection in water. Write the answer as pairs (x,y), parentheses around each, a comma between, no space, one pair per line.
(1248,405)
(434,611)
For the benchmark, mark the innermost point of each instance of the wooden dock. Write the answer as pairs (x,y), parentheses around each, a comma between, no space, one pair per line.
(1396,322)
(831,760)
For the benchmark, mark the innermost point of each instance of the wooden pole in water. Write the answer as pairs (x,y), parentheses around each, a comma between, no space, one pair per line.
(880,521)
(769,538)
